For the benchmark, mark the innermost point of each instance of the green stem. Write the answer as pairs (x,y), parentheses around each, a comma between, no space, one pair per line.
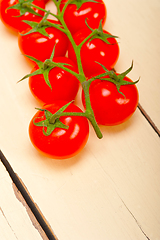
(76,49)
(89,111)
(89,114)
(70,37)
(85,40)
(69,70)
(49,63)
(57,26)
(44,10)
(86,114)
(64,114)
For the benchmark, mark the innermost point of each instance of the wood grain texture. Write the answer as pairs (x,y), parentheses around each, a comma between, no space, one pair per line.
(15,224)
(111,189)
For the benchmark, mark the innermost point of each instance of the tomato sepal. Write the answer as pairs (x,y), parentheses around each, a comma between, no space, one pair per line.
(99,33)
(45,67)
(41,26)
(24,6)
(38,26)
(79,3)
(46,123)
(117,79)
(52,121)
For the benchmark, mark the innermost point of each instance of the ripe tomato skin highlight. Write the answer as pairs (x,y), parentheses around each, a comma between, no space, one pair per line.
(109,106)
(9,16)
(40,46)
(94,51)
(75,18)
(64,85)
(61,143)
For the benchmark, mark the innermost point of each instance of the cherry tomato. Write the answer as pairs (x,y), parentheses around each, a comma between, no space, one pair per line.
(111,107)
(40,47)
(92,11)
(11,19)
(95,51)
(61,143)
(64,86)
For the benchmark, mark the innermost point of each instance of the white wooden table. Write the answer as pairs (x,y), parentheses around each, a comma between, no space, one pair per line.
(111,190)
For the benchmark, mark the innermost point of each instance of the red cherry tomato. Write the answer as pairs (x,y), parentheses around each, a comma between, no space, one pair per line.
(111,107)
(40,47)
(92,11)
(64,86)
(95,51)
(10,16)
(61,143)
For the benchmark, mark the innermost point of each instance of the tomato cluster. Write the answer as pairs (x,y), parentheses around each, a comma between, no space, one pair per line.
(72,50)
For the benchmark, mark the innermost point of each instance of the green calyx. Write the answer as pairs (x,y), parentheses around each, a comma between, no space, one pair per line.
(51,121)
(41,26)
(44,68)
(79,3)
(111,76)
(24,6)
(98,33)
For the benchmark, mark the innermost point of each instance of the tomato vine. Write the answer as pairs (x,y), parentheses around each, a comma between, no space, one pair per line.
(90,40)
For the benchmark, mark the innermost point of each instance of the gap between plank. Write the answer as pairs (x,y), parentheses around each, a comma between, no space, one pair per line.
(23,190)
(150,121)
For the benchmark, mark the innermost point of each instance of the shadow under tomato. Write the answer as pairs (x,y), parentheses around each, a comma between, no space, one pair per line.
(119,128)
(59,164)
(9,31)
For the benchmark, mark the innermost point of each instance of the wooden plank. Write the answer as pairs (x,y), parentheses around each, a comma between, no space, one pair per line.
(16,220)
(111,189)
